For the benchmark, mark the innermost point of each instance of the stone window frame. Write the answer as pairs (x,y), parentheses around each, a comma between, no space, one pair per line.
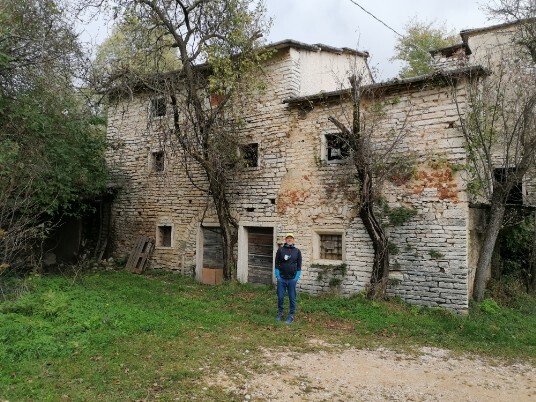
(159,235)
(154,165)
(241,153)
(158,107)
(317,246)
(324,148)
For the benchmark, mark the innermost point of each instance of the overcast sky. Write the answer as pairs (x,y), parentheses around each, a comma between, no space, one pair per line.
(341,23)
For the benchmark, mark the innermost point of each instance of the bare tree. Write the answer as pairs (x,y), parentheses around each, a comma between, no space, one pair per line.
(217,43)
(523,12)
(372,164)
(499,125)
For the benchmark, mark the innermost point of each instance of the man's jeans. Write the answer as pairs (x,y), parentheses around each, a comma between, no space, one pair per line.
(284,285)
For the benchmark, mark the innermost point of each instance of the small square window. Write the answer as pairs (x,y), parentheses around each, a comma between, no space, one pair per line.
(331,247)
(158,107)
(250,155)
(163,236)
(336,148)
(157,161)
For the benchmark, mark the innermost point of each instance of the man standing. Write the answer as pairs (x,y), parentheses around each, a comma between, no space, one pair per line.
(288,260)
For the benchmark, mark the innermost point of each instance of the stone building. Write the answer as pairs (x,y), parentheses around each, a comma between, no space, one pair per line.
(298,180)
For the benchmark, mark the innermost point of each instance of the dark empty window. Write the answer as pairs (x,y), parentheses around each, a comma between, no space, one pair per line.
(250,155)
(515,196)
(331,247)
(164,236)
(336,147)
(158,107)
(158,161)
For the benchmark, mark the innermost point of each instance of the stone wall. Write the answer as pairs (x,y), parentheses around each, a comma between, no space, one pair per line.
(451,60)
(147,199)
(429,253)
(294,189)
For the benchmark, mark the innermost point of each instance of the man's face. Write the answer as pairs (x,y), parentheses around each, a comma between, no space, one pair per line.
(289,240)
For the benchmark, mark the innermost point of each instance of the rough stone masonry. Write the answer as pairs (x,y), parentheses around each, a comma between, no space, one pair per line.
(299,186)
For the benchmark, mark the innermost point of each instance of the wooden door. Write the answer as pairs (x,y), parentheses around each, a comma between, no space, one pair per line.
(260,255)
(212,248)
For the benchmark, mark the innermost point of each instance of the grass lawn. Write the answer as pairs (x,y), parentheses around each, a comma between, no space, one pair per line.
(114,336)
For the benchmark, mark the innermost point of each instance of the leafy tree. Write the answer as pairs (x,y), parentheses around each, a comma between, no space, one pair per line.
(132,50)
(217,43)
(414,47)
(517,249)
(51,145)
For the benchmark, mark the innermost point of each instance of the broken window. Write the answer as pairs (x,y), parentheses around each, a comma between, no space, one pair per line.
(250,154)
(157,161)
(163,236)
(515,196)
(336,147)
(331,247)
(158,107)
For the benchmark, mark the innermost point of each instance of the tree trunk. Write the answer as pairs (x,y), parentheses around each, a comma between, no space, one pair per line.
(490,239)
(380,266)
(362,162)
(228,225)
(532,272)
(230,236)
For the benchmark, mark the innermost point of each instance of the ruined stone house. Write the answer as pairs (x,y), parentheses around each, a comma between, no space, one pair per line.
(297,180)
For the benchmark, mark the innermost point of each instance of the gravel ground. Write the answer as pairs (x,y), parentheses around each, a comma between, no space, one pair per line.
(345,374)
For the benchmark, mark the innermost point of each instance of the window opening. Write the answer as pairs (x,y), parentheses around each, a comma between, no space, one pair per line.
(164,236)
(250,154)
(158,107)
(331,247)
(158,161)
(216,99)
(515,196)
(336,147)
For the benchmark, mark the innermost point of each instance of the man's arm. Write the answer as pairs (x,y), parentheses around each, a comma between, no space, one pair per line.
(298,269)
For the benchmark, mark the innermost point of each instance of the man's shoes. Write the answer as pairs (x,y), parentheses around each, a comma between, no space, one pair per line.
(289,319)
(279,317)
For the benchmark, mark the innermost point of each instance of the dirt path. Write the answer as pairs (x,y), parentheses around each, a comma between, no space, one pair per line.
(382,375)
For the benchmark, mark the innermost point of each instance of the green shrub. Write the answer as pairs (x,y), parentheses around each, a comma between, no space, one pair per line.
(489,306)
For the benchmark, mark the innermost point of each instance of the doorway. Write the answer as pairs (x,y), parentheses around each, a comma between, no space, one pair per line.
(260,254)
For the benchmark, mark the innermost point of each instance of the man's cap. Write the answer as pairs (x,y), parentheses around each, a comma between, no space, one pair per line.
(289,235)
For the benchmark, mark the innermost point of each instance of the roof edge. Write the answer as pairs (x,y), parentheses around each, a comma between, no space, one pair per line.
(316,47)
(466,33)
(393,86)
(449,50)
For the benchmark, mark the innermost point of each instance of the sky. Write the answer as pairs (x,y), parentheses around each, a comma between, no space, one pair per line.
(341,23)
